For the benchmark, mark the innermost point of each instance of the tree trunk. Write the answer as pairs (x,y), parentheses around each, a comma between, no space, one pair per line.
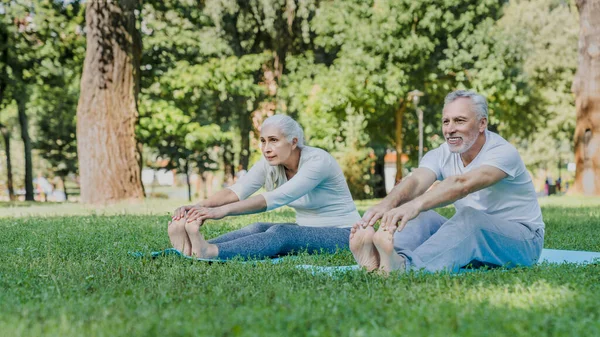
(399,118)
(107,111)
(379,190)
(227,162)
(9,175)
(245,127)
(23,121)
(64,182)
(586,87)
(187,180)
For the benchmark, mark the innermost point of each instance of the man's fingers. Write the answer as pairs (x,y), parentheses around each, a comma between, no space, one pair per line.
(396,219)
(192,217)
(402,224)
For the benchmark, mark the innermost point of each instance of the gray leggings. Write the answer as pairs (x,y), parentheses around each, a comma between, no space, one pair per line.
(261,239)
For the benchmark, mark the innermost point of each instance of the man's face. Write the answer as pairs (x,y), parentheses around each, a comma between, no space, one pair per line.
(460,125)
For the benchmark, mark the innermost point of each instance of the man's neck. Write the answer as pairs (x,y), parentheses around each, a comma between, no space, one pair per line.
(470,154)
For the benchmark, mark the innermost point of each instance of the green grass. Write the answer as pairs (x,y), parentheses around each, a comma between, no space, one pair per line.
(70,275)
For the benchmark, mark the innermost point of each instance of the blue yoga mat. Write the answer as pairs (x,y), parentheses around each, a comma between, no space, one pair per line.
(175,252)
(548,256)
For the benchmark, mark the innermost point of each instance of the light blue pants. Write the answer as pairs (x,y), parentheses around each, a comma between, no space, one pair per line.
(471,237)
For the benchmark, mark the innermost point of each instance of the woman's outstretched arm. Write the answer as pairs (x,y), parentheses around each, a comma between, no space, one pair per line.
(223,197)
(246,186)
(251,205)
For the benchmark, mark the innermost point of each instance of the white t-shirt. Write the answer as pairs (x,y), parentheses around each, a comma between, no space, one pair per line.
(512,198)
(318,192)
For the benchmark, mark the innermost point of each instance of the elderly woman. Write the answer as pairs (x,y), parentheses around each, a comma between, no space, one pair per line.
(305,178)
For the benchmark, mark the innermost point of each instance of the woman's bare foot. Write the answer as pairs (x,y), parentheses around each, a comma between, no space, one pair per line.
(200,247)
(179,237)
(389,260)
(361,245)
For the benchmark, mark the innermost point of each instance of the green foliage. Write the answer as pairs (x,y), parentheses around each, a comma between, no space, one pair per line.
(205,65)
(44,54)
(354,155)
(56,94)
(377,51)
(545,33)
(177,138)
(72,276)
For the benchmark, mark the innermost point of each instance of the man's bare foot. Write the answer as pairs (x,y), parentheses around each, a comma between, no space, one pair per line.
(200,247)
(389,260)
(178,236)
(361,245)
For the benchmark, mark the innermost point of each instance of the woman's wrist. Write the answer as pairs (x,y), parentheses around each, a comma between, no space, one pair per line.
(226,209)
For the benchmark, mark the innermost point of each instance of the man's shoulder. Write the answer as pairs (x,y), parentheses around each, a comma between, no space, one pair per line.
(500,145)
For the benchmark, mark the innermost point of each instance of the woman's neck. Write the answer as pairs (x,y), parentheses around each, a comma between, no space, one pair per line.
(292,163)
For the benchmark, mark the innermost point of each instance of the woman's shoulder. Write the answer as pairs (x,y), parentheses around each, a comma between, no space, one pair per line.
(315,153)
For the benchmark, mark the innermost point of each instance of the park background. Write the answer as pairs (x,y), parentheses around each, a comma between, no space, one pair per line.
(171,99)
(172,92)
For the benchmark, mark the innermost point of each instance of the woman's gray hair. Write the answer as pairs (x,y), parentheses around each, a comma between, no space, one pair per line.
(480,106)
(288,127)
(290,130)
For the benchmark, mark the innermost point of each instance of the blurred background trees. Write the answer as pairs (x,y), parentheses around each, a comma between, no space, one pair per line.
(210,71)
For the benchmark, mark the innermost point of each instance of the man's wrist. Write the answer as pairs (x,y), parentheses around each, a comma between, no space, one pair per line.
(419,205)
(387,204)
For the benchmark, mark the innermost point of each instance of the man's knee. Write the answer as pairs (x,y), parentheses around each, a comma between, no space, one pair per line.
(468,219)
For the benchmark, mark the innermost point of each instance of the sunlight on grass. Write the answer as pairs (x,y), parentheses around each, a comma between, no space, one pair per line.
(146,207)
(570,201)
(540,294)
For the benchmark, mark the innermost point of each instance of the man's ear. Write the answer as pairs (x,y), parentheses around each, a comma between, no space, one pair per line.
(294,143)
(483,124)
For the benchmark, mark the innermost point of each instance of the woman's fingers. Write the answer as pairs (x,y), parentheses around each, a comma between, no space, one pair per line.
(376,216)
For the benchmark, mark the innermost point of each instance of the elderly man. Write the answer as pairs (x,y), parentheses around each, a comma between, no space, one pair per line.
(498,220)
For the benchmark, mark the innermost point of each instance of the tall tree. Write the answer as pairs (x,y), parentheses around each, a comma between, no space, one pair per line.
(4,130)
(107,111)
(54,99)
(17,58)
(586,87)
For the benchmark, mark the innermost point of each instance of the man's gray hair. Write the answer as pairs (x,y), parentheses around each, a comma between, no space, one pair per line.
(480,106)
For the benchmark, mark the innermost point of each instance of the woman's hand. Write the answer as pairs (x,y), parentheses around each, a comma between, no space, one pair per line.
(180,212)
(204,213)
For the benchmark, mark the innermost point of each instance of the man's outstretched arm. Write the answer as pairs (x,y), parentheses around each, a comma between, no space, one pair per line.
(446,192)
(411,187)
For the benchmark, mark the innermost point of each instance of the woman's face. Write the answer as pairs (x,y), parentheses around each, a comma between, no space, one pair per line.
(275,146)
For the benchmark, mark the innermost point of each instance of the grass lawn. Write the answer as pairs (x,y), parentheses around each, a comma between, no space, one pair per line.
(65,271)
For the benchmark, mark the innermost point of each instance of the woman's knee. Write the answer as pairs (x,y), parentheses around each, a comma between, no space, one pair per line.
(259,226)
(281,229)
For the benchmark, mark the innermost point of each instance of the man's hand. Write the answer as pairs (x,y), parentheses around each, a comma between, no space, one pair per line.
(375,213)
(205,213)
(401,214)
